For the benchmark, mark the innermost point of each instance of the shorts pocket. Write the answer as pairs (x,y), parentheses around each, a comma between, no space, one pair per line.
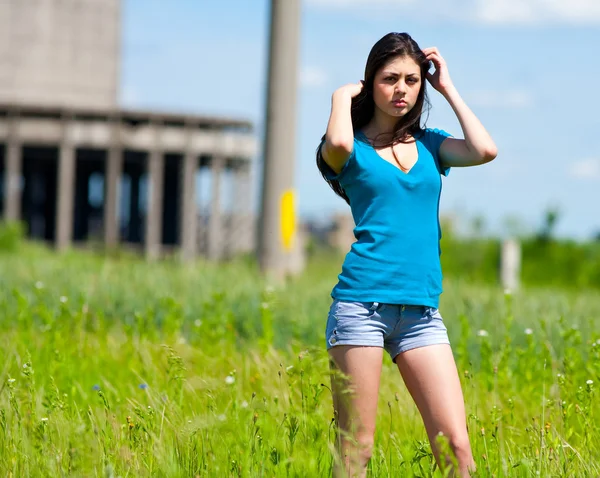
(344,310)
(434,313)
(350,321)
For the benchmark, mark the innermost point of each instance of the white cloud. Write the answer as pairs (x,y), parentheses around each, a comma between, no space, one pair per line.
(312,77)
(586,169)
(482,11)
(510,99)
(538,11)
(358,3)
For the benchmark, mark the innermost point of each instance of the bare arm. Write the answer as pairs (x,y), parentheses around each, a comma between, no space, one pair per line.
(478,147)
(339,138)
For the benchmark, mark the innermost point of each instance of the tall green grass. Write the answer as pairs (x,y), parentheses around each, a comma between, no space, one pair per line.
(116,367)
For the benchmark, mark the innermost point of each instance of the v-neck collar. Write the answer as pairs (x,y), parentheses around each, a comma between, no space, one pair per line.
(405,173)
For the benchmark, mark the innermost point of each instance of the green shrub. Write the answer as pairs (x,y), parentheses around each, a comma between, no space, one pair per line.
(11,235)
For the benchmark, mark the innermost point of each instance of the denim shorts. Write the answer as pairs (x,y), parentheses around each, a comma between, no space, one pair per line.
(397,328)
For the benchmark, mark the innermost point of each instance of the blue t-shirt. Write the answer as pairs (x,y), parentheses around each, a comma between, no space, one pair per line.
(396,256)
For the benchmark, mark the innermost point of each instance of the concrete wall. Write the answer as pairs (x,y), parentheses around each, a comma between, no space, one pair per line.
(60,52)
(97,134)
(55,152)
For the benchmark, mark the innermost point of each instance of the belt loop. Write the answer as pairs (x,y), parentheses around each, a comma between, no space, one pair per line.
(375,306)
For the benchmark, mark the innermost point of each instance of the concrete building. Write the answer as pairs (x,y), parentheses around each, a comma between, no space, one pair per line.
(76,167)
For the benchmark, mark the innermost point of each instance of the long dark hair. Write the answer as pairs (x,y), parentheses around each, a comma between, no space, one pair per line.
(386,49)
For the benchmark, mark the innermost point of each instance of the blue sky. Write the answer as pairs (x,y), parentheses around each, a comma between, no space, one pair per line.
(528,68)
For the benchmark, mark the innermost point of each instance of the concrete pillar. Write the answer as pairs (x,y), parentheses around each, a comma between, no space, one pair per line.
(156,173)
(215,221)
(12,177)
(189,210)
(510,267)
(112,189)
(241,233)
(277,219)
(66,190)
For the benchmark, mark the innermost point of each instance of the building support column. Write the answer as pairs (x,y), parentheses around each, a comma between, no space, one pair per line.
(215,221)
(112,189)
(66,190)
(189,210)
(12,174)
(242,236)
(156,176)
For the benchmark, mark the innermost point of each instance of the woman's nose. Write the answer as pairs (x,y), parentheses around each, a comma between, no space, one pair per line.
(400,88)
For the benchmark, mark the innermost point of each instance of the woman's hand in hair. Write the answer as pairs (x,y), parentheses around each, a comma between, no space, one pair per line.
(339,138)
(440,78)
(352,89)
(478,147)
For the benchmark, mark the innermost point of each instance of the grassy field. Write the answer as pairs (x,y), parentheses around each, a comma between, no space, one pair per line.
(121,368)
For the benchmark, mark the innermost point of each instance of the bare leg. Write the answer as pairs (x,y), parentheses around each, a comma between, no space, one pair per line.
(432,379)
(355,392)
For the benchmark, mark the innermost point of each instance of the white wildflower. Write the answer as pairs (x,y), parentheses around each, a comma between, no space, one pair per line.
(39,285)
(244,404)
(181,340)
(197,322)
(483,333)
(269,289)
(45,419)
(229,379)
(590,382)
(528,331)
(63,299)
(11,380)
(264,305)
(222,418)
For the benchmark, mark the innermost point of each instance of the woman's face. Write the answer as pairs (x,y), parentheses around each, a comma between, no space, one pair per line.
(396,86)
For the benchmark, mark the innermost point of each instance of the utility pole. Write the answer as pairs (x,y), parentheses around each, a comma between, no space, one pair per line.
(277,225)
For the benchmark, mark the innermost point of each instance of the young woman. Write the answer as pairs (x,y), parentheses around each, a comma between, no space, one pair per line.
(377,156)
